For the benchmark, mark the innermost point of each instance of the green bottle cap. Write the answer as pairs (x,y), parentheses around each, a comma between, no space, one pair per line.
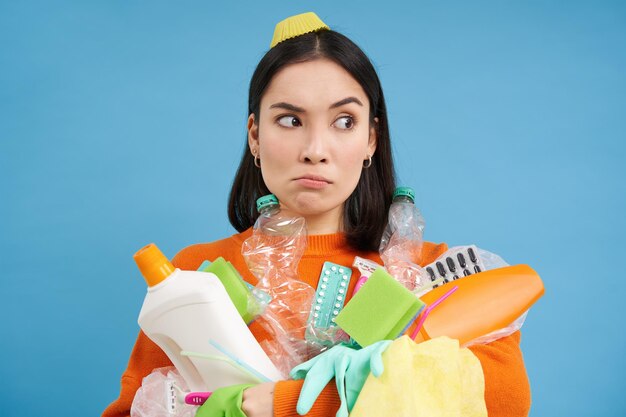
(265,201)
(404,191)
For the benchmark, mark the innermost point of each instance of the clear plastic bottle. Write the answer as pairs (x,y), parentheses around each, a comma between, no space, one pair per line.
(402,241)
(272,254)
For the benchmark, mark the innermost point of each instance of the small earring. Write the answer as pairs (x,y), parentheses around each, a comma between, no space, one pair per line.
(368,163)
(257,160)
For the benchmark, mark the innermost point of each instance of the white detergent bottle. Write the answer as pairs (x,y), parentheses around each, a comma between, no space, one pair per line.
(190,311)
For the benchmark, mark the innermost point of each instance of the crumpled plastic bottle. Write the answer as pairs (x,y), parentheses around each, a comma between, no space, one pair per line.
(402,241)
(272,254)
(162,394)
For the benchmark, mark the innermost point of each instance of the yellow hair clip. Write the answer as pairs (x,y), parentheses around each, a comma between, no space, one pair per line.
(297,25)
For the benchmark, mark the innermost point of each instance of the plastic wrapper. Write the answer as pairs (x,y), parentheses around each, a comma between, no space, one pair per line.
(319,339)
(401,243)
(365,266)
(257,301)
(162,395)
(272,254)
(407,273)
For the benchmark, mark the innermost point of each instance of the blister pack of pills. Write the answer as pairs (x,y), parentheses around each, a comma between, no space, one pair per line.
(329,300)
(456,263)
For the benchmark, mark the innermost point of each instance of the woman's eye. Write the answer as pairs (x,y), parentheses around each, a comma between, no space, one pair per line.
(345,122)
(289,121)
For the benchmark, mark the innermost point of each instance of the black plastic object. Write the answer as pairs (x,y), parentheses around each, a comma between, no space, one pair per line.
(461,259)
(476,268)
(466,272)
(472,255)
(441,269)
(451,265)
(431,273)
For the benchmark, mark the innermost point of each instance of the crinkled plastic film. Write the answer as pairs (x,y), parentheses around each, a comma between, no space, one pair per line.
(272,254)
(161,395)
(320,339)
(401,244)
(257,302)
(497,334)
(407,273)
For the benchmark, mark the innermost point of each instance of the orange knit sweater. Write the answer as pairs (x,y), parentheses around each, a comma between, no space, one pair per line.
(507,392)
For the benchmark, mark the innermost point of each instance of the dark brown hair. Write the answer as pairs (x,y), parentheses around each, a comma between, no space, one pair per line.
(365,211)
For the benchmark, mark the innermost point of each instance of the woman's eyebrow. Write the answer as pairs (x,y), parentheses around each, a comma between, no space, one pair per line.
(296,109)
(287,106)
(346,101)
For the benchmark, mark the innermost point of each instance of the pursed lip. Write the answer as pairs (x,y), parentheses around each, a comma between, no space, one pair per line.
(311,177)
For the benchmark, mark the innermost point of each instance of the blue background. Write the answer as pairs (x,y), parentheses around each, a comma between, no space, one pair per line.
(121,123)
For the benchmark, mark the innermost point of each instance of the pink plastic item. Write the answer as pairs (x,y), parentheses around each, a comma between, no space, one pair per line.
(359,284)
(197,398)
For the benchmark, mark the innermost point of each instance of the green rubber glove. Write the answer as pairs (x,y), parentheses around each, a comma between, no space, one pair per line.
(350,367)
(224,402)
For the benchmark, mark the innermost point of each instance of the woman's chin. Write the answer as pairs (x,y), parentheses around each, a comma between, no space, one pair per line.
(311,205)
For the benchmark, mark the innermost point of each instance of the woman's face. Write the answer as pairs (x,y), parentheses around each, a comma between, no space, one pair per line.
(312,138)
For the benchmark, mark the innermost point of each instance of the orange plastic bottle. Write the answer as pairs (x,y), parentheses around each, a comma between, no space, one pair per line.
(484,302)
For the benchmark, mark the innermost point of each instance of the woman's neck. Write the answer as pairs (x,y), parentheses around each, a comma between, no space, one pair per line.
(322,225)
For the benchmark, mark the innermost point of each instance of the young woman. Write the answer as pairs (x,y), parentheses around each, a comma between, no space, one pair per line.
(318,139)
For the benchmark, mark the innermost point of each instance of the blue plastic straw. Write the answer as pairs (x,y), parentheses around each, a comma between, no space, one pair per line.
(239,361)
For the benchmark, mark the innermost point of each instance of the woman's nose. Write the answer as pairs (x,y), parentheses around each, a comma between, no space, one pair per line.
(315,147)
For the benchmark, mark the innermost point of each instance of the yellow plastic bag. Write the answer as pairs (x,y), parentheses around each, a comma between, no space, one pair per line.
(430,379)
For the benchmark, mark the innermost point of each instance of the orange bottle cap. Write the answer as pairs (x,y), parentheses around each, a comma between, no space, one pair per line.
(154,266)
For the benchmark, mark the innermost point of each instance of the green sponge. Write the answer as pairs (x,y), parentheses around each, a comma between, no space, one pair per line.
(234,284)
(381,310)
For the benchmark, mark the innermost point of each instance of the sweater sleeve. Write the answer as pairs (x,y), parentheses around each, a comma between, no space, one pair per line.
(507,390)
(286,395)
